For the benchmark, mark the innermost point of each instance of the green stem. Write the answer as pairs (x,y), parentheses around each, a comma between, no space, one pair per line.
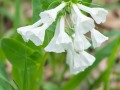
(25,71)
(110,64)
(75,1)
(41,69)
(66,0)
(17,15)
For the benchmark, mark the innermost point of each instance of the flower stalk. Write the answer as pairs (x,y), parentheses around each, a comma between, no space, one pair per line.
(75,1)
(66,0)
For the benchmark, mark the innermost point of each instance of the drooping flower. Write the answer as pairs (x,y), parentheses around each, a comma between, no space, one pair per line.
(60,41)
(37,34)
(81,43)
(98,14)
(83,22)
(23,30)
(97,38)
(49,16)
(79,61)
(63,38)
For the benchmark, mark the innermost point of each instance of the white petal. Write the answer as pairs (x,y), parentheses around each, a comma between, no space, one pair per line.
(37,34)
(84,23)
(84,26)
(98,14)
(53,47)
(81,43)
(88,59)
(23,32)
(81,62)
(97,38)
(63,38)
(49,16)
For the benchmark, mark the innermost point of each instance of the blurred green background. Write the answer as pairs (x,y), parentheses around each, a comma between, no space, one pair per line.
(48,71)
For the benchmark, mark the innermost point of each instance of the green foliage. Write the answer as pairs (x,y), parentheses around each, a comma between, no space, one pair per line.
(28,61)
(17,52)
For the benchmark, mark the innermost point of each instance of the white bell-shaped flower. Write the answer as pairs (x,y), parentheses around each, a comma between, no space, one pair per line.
(53,47)
(63,38)
(60,39)
(81,61)
(23,30)
(83,22)
(80,42)
(97,38)
(37,34)
(98,14)
(49,16)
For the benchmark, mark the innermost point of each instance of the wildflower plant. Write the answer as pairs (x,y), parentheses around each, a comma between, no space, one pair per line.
(59,50)
(69,14)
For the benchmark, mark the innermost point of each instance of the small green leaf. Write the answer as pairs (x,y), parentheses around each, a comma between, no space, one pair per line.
(85,2)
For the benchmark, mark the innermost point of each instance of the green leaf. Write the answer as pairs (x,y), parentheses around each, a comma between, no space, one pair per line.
(51,86)
(3,78)
(3,74)
(8,84)
(113,33)
(17,53)
(54,4)
(85,2)
(77,79)
(105,75)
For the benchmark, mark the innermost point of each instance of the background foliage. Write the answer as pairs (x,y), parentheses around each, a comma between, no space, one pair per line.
(34,69)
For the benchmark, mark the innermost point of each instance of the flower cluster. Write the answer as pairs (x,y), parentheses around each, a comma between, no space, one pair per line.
(76,44)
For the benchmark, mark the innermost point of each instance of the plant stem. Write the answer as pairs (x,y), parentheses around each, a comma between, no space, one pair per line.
(66,0)
(75,1)
(25,70)
(17,15)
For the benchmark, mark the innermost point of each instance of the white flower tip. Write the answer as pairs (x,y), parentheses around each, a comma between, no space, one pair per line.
(23,31)
(37,35)
(81,62)
(56,49)
(81,43)
(97,38)
(86,24)
(63,38)
(53,47)
(36,40)
(89,23)
(100,15)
